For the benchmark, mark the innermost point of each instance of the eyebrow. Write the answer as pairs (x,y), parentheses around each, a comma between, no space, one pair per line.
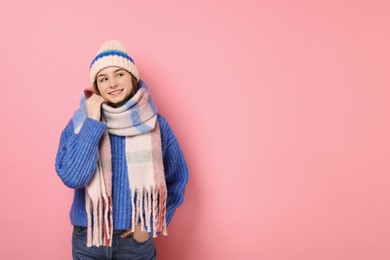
(101,75)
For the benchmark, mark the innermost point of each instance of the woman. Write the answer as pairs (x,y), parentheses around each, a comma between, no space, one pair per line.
(123,161)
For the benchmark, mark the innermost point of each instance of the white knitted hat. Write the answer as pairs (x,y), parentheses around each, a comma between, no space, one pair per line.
(112,53)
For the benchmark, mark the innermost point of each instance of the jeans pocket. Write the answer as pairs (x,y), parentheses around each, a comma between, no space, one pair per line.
(131,236)
(79,230)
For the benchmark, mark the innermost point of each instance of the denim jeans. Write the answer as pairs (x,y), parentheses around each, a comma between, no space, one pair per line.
(122,248)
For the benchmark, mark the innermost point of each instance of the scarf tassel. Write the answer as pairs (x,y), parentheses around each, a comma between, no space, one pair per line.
(100,211)
(150,206)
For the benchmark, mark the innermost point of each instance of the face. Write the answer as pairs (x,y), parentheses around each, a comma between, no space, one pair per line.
(115,85)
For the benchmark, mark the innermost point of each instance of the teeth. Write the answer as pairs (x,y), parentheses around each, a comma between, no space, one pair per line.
(115,92)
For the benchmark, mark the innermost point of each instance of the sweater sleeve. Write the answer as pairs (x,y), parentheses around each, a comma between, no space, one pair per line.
(175,168)
(77,154)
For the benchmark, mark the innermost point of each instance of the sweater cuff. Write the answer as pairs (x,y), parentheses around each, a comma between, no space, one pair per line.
(92,129)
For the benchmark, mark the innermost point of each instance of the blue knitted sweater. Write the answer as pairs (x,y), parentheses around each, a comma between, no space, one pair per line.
(77,158)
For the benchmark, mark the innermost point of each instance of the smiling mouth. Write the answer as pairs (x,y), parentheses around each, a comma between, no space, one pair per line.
(116,92)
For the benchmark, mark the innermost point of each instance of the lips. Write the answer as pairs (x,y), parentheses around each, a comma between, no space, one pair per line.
(116,92)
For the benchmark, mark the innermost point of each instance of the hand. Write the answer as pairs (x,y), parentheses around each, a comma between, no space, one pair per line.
(93,106)
(138,234)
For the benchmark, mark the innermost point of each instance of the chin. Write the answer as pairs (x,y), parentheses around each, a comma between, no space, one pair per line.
(116,103)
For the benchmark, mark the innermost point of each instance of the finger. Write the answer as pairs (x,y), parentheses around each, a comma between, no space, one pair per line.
(95,96)
(102,100)
(98,98)
(95,99)
(126,233)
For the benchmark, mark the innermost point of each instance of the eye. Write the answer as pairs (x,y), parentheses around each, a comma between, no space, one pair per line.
(119,74)
(102,80)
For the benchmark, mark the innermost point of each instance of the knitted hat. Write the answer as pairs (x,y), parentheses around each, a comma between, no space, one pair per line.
(112,53)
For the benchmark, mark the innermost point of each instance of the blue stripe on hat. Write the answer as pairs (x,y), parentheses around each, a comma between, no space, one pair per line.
(111,52)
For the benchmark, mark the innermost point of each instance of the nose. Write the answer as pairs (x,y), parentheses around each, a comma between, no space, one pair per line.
(113,82)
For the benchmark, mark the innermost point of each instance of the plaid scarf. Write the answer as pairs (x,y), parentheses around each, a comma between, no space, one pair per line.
(137,121)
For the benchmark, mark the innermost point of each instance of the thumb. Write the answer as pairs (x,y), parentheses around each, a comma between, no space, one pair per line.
(126,233)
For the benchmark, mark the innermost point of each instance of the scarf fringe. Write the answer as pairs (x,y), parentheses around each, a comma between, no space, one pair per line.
(100,211)
(150,207)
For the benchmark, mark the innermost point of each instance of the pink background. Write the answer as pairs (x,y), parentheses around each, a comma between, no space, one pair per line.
(281,108)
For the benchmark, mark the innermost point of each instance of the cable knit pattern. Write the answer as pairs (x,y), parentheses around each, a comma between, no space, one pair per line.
(77,158)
